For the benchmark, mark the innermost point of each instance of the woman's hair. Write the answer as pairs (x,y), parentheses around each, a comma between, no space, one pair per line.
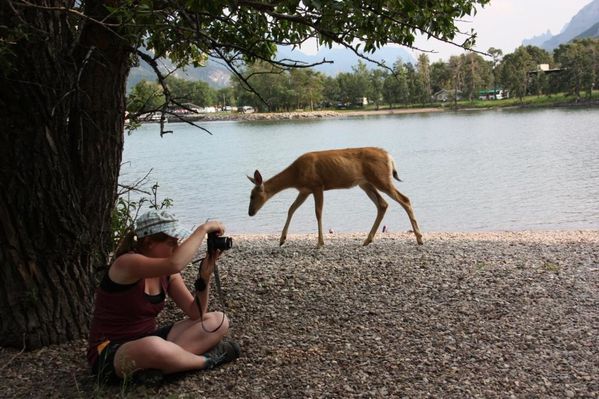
(127,243)
(130,243)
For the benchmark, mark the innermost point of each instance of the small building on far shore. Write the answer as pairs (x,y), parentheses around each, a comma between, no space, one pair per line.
(445,95)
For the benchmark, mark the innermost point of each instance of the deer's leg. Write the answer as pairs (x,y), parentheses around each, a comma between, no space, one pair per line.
(301,197)
(318,201)
(407,206)
(381,208)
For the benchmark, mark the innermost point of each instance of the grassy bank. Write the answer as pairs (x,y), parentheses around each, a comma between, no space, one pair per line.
(554,100)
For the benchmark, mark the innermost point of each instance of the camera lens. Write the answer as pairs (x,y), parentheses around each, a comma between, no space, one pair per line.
(224,243)
(220,243)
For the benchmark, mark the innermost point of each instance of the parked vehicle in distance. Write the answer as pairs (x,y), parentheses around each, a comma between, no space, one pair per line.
(246,109)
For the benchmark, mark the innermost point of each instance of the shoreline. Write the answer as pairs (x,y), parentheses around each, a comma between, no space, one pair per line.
(295,115)
(350,235)
(484,314)
(271,239)
(306,115)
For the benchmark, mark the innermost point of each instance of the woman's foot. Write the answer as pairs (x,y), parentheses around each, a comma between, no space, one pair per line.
(224,352)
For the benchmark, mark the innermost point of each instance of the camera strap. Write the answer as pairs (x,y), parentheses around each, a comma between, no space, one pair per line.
(219,289)
(199,305)
(221,297)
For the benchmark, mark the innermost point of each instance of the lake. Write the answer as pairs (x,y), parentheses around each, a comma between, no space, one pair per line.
(467,171)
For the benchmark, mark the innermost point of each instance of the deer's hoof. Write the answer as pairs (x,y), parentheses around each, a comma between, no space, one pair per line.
(368,241)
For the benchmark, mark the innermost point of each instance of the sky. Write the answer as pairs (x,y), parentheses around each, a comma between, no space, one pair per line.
(504,24)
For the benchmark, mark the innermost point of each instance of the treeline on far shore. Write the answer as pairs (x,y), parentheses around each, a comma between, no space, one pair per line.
(529,76)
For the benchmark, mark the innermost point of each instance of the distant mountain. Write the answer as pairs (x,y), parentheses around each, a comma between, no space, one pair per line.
(217,75)
(537,40)
(593,31)
(582,22)
(344,59)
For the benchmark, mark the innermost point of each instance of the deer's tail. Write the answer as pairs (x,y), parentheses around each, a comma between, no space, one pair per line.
(394,168)
(396,176)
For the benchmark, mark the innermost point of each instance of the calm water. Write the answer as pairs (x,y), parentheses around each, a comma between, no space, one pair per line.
(479,171)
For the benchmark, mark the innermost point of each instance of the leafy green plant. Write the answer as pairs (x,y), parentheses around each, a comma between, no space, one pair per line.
(127,209)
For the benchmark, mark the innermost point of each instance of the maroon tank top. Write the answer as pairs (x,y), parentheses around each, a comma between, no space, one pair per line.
(123,315)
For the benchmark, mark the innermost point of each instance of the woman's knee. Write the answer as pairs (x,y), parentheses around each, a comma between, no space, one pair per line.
(217,321)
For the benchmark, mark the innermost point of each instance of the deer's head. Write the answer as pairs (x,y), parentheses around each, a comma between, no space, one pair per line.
(258,195)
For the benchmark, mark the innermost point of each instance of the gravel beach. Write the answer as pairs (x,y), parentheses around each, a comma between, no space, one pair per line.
(466,315)
(273,116)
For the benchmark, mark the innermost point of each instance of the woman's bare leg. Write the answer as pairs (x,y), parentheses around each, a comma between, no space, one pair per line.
(198,336)
(186,342)
(155,353)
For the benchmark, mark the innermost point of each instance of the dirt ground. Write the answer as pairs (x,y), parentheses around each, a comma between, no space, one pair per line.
(466,315)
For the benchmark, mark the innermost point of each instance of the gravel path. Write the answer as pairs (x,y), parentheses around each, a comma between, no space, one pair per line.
(488,315)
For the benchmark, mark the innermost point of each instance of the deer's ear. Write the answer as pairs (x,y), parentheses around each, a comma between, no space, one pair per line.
(257,178)
(251,179)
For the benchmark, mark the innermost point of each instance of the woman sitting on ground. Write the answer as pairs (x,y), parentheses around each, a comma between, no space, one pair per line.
(123,335)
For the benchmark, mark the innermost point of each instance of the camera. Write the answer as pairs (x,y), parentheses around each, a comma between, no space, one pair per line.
(215,242)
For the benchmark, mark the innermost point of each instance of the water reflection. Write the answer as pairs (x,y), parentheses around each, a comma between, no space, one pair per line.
(492,170)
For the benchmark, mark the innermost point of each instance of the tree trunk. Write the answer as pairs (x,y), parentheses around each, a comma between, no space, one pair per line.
(62,112)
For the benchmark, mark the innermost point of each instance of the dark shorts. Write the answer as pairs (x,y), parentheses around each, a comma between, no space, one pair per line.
(103,368)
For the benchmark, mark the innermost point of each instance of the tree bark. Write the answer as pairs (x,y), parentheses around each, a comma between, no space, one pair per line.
(62,110)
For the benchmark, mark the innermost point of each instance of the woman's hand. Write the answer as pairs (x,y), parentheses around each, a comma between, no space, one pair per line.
(209,262)
(213,226)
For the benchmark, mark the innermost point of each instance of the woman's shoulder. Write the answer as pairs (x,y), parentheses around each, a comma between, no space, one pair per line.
(128,257)
(123,267)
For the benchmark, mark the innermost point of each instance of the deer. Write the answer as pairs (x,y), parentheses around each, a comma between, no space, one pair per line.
(313,173)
